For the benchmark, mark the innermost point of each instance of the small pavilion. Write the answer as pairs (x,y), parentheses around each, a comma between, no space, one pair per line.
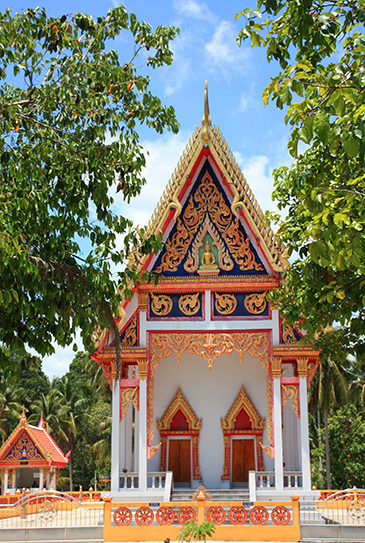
(30,458)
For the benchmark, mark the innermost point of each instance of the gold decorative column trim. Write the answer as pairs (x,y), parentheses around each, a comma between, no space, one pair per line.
(142,300)
(302,366)
(142,368)
(276,367)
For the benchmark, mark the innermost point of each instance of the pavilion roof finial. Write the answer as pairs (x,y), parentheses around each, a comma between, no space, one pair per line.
(206,121)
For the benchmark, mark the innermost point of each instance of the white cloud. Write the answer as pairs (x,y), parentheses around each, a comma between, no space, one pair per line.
(57,364)
(247,100)
(222,51)
(161,160)
(190,8)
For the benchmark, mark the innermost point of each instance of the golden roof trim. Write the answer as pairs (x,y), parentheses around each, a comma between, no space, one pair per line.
(243,195)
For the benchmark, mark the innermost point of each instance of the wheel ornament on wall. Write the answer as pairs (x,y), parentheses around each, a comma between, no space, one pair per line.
(280,516)
(144,516)
(165,516)
(237,515)
(122,516)
(185,514)
(216,514)
(259,515)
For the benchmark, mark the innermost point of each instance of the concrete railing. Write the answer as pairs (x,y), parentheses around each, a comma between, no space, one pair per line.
(156,480)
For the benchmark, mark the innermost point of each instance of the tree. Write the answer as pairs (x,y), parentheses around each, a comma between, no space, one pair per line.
(320,46)
(346,430)
(327,390)
(70,111)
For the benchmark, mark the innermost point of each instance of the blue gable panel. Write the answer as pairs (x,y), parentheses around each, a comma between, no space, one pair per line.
(207,217)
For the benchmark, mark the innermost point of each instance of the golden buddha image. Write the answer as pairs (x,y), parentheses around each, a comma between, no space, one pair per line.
(208,259)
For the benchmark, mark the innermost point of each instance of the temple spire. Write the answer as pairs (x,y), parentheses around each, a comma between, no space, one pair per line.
(206,121)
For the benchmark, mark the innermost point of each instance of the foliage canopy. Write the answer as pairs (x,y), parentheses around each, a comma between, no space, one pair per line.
(320,46)
(70,111)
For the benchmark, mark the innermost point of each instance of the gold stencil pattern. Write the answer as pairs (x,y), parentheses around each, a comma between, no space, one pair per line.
(255,303)
(24,449)
(225,304)
(210,346)
(128,395)
(161,304)
(290,392)
(130,336)
(207,201)
(189,304)
(288,335)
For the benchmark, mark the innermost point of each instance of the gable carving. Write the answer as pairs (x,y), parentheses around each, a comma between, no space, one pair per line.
(179,404)
(207,213)
(24,449)
(242,402)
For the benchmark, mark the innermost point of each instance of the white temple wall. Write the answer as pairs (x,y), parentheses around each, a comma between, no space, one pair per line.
(210,394)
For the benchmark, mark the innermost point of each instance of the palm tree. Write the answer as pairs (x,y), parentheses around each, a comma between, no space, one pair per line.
(328,389)
(74,401)
(10,405)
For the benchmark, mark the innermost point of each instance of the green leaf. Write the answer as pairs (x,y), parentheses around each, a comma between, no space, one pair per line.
(352,147)
(321,126)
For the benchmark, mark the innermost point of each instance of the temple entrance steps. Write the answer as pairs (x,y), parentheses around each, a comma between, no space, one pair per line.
(235,494)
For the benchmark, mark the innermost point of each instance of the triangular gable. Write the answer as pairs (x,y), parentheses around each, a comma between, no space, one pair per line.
(207,237)
(208,143)
(24,449)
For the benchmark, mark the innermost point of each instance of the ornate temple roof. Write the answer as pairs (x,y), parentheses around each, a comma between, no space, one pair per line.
(209,141)
(30,446)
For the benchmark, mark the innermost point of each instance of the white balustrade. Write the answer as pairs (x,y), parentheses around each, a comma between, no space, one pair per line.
(266,479)
(129,480)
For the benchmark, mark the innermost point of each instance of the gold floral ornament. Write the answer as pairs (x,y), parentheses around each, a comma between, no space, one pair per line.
(128,395)
(189,304)
(161,304)
(255,303)
(288,335)
(290,393)
(130,335)
(225,304)
(205,203)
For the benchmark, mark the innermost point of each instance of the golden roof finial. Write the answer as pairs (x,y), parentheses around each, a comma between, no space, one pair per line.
(206,121)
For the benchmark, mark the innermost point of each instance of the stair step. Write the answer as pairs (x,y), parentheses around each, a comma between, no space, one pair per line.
(234,494)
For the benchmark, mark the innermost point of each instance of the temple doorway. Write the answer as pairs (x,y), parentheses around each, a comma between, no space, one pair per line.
(243,460)
(179,461)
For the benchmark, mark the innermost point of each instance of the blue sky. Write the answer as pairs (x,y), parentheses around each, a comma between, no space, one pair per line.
(205,49)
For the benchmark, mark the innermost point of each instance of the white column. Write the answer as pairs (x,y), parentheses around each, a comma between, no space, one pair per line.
(122,439)
(13,480)
(136,440)
(128,437)
(53,481)
(6,480)
(304,435)
(47,481)
(41,478)
(278,434)
(114,483)
(142,456)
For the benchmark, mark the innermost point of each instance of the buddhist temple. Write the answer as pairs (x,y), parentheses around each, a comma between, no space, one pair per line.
(30,458)
(212,387)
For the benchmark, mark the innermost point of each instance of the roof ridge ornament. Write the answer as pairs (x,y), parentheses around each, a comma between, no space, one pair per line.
(206,120)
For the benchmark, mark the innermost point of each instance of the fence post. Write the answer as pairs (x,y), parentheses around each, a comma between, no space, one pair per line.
(201,507)
(90,494)
(296,517)
(107,516)
(252,485)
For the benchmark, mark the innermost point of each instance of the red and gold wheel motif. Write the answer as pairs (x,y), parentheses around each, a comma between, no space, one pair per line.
(165,516)
(280,516)
(144,516)
(185,514)
(237,515)
(122,516)
(216,514)
(259,515)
